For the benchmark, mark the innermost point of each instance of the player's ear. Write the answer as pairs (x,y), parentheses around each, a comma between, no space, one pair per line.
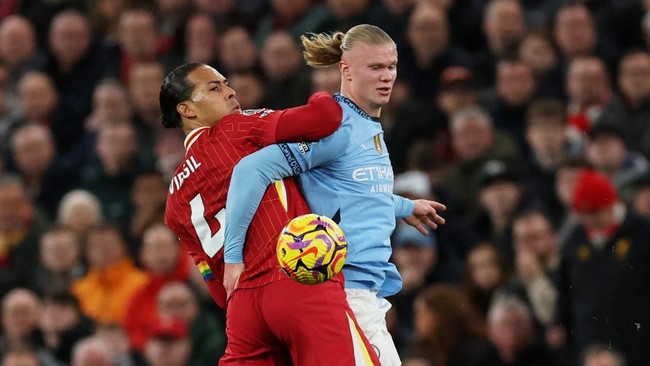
(344,69)
(185,110)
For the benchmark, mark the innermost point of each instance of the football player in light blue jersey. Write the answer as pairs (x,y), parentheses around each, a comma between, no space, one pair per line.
(347,176)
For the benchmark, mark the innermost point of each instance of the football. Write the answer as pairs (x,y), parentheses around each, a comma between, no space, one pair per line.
(312,249)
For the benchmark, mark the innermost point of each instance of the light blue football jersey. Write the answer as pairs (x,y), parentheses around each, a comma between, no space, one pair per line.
(346,176)
(349,178)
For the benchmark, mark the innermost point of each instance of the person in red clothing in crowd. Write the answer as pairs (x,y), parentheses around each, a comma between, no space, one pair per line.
(162,257)
(280,321)
(604,276)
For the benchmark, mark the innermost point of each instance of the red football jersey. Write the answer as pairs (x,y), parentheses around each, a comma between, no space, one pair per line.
(197,198)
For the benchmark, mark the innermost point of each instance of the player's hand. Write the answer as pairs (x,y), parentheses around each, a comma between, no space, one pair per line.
(426,214)
(231,273)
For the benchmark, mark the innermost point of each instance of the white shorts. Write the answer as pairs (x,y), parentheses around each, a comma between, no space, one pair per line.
(370,311)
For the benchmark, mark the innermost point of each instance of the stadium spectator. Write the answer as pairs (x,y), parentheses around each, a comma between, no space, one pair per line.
(76,61)
(415,256)
(511,329)
(110,103)
(537,261)
(393,16)
(104,16)
(603,284)
(139,41)
(20,356)
(201,39)
(546,136)
(607,153)
(115,337)
(514,89)
(345,14)
(164,261)
(40,102)
(474,141)
(177,301)
(169,152)
(18,47)
(588,90)
(602,355)
(79,210)
(63,324)
(639,199)
(21,227)
(60,262)
(252,90)
(485,271)
(46,179)
(501,196)
(237,51)
(428,51)
(169,344)
(503,27)
(143,90)
(576,35)
(20,315)
(148,197)
(112,277)
(295,17)
(92,351)
(565,179)
(629,109)
(111,178)
(325,79)
(539,51)
(448,328)
(171,19)
(286,76)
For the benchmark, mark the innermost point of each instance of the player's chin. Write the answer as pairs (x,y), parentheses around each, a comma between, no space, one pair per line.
(382,99)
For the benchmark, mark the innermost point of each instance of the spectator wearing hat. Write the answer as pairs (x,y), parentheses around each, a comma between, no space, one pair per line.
(415,256)
(501,196)
(169,344)
(604,280)
(607,152)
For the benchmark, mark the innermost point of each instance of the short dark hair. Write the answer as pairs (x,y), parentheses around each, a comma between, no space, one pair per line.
(174,90)
(550,108)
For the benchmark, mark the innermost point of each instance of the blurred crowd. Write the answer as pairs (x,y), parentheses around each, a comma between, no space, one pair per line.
(529,119)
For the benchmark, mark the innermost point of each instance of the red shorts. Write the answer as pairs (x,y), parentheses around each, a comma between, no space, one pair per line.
(286,323)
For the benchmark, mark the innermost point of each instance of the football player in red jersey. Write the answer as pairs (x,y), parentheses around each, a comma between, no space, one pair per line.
(271,319)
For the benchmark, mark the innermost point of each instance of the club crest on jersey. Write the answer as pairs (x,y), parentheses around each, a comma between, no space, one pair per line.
(377,141)
(303,147)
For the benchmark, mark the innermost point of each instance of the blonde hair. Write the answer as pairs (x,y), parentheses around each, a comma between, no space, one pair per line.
(322,49)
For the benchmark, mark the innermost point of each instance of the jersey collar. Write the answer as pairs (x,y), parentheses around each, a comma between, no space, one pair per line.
(192,136)
(343,99)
